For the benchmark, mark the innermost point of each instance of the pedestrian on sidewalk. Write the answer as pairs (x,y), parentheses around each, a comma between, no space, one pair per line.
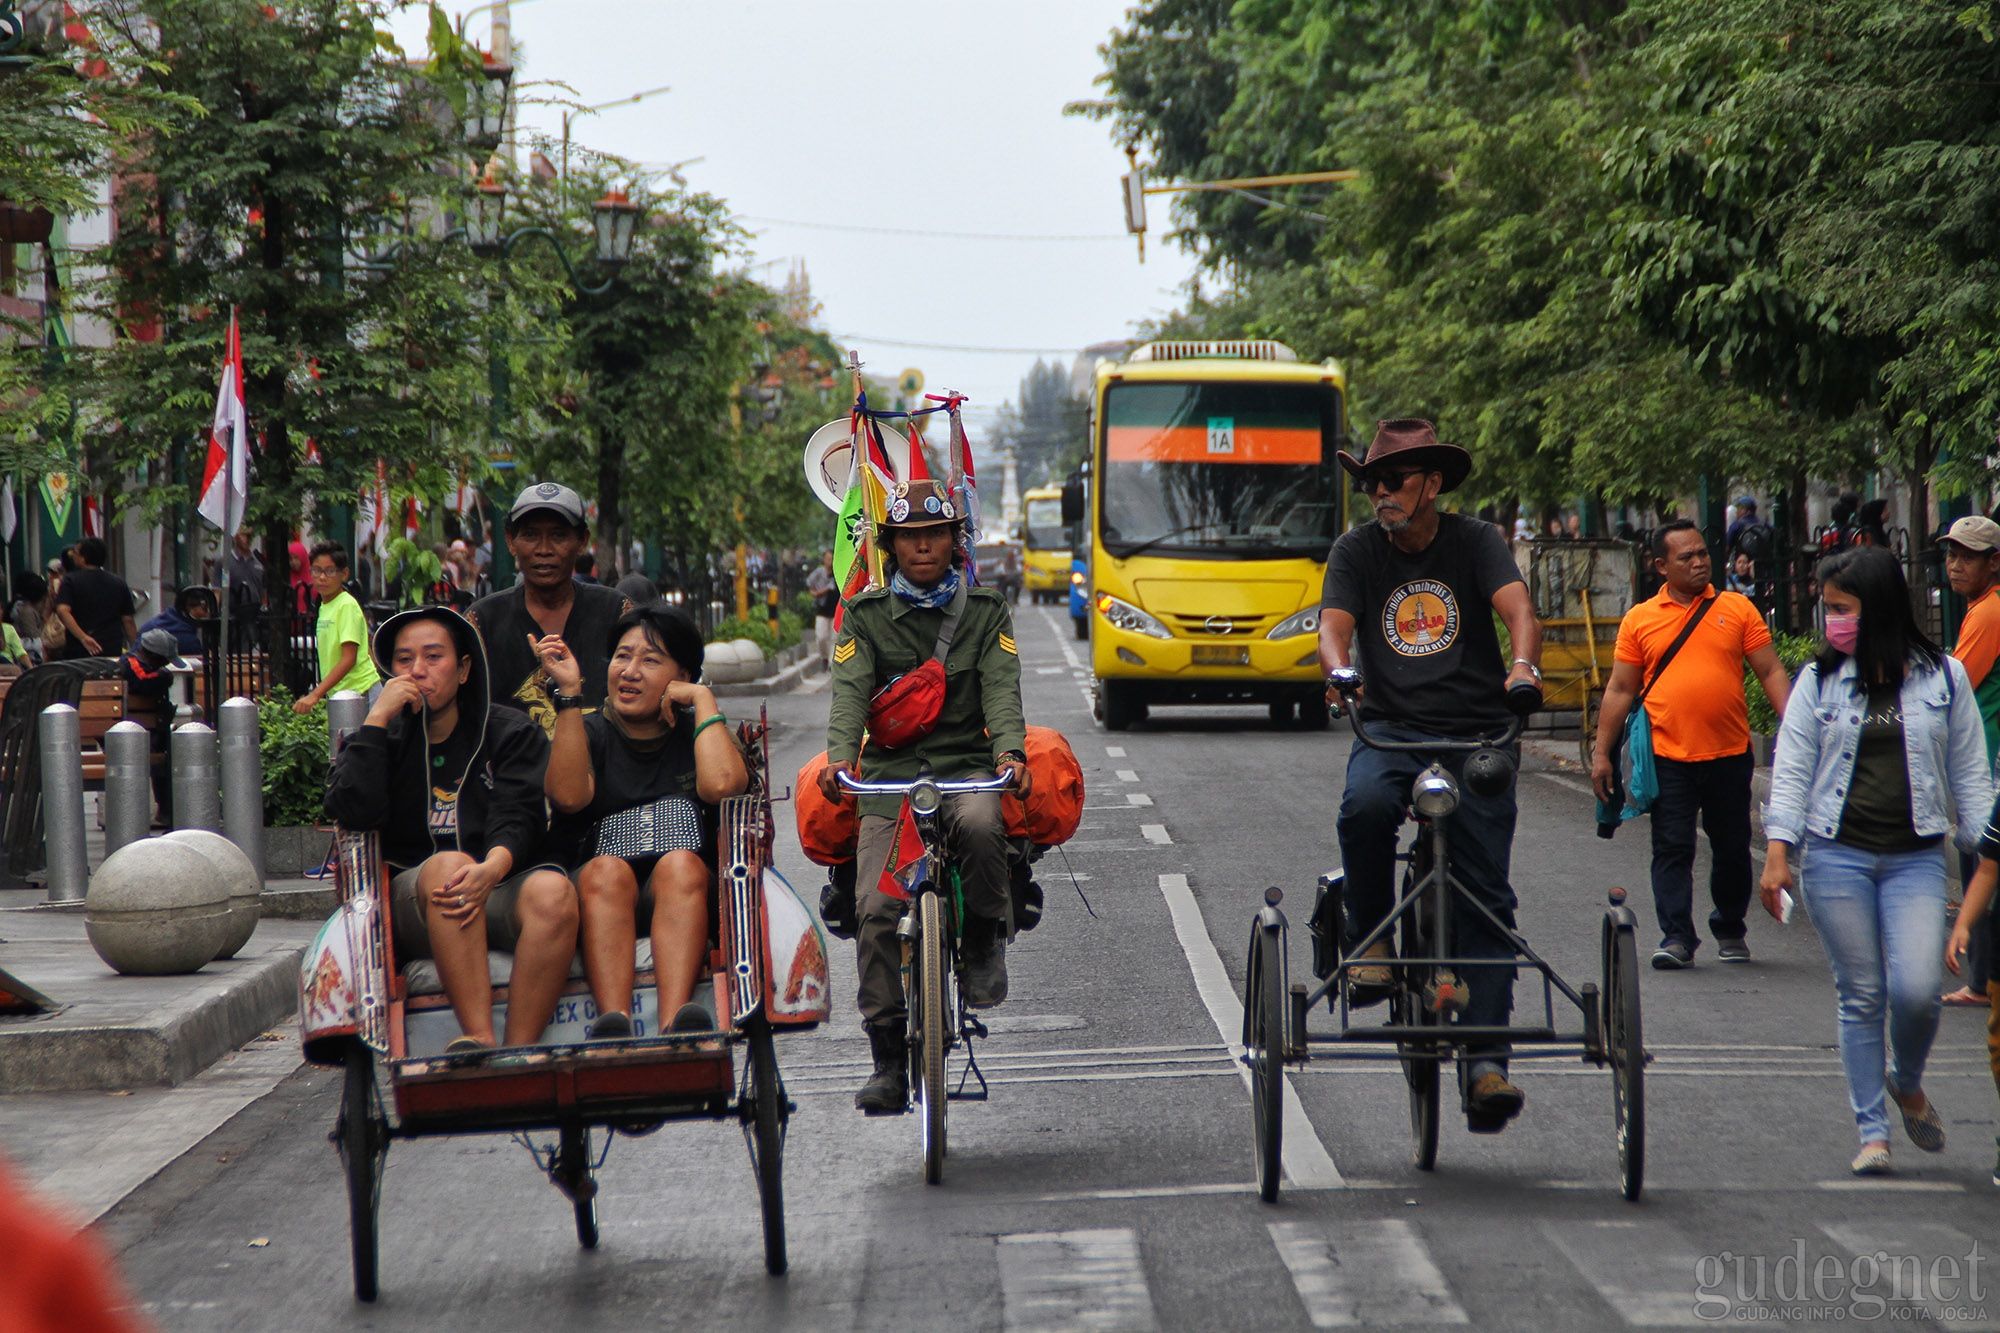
(1972,564)
(826,600)
(1881,742)
(1685,649)
(341,633)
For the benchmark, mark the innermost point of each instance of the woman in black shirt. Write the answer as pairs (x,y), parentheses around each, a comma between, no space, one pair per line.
(640,779)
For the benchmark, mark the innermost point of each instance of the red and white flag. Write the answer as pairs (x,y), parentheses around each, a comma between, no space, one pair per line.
(225,483)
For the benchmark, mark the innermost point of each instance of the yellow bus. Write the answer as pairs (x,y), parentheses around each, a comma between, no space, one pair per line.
(1044,545)
(1211,498)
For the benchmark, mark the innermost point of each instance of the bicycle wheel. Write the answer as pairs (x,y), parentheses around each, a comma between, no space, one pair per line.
(769,1113)
(1627,1051)
(932,978)
(1420,1067)
(1264,1047)
(362,1136)
(572,1177)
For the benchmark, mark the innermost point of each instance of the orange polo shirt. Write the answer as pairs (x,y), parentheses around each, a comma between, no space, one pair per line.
(1697,708)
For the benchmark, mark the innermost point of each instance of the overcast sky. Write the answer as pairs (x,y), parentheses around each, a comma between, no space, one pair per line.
(892,116)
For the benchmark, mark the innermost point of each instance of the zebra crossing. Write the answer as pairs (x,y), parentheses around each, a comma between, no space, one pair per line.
(1381,1272)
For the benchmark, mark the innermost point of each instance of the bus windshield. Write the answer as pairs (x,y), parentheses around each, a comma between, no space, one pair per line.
(1045,525)
(1230,470)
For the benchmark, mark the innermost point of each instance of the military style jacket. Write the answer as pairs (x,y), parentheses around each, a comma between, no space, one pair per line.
(881,637)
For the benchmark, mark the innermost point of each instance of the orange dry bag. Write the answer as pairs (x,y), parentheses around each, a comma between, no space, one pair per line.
(1055,792)
(827,829)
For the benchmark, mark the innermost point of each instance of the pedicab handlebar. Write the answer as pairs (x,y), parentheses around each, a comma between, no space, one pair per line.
(1522,700)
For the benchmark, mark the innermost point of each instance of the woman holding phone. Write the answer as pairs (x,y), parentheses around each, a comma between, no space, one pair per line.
(1881,741)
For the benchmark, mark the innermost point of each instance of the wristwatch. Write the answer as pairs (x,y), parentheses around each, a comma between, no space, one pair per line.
(565,702)
(1533,670)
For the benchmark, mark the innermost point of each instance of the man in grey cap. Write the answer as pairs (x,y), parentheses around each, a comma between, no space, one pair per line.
(1972,565)
(546,529)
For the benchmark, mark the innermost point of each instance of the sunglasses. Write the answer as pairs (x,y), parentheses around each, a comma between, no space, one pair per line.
(1392,480)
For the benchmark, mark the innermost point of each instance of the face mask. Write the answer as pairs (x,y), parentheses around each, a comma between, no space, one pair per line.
(1843,632)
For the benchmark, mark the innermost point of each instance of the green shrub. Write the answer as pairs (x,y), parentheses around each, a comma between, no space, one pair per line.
(1794,650)
(802,606)
(757,631)
(791,627)
(297,756)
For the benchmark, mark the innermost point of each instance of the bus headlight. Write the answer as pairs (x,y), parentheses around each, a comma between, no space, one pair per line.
(1434,794)
(1125,616)
(1302,622)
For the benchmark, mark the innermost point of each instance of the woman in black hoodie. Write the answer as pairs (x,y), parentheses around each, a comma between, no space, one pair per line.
(454,785)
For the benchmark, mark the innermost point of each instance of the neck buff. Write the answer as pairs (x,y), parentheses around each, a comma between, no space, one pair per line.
(933,598)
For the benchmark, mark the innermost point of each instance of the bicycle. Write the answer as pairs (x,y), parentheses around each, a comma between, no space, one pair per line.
(931,931)
(1275,1011)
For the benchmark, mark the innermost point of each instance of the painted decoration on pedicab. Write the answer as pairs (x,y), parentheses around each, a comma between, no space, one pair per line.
(800,989)
(329,1009)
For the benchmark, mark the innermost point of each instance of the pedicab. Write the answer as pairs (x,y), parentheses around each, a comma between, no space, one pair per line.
(386,1022)
(1580,590)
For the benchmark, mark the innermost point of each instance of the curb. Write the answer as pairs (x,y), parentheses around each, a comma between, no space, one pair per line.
(166,1050)
(791,678)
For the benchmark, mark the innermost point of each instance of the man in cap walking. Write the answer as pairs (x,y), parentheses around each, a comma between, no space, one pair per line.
(1972,565)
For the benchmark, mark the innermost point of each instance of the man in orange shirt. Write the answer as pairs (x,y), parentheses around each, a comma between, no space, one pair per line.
(1972,565)
(1701,739)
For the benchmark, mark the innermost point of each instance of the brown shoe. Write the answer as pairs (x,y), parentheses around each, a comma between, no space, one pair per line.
(1491,1102)
(1374,975)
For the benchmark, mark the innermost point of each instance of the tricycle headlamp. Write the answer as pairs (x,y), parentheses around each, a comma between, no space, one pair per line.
(1125,616)
(1299,622)
(924,798)
(1434,794)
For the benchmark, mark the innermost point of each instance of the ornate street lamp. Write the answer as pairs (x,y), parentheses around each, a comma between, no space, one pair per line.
(614,216)
(486,110)
(483,215)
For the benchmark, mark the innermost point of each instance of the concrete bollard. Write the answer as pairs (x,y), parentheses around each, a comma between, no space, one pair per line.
(345,712)
(128,785)
(242,779)
(62,804)
(197,791)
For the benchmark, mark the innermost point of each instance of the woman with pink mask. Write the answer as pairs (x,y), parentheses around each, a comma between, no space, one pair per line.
(1881,745)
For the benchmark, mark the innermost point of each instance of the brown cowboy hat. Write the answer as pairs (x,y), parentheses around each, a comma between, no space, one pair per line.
(918,504)
(1414,443)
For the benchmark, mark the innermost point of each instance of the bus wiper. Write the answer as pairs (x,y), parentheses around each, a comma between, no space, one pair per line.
(1169,535)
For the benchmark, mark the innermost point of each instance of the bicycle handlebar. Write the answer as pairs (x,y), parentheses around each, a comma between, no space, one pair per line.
(998,782)
(1346,681)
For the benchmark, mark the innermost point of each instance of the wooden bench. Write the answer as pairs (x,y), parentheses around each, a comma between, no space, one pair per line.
(105,703)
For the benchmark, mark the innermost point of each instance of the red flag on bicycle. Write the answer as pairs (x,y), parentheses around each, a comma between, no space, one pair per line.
(906,861)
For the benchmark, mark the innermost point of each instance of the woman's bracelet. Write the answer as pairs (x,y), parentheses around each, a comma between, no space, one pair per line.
(706,725)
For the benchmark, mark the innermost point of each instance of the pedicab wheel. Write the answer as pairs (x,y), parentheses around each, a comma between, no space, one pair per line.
(769,1112)
(573,1171)
(931,981)
(362,1136)
(1264,1043)
(1420,1067)
(1627,1052)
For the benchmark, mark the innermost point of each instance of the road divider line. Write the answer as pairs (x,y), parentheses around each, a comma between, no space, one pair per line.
(1127,774)
(1570,783)
(1055,1281)
(1307,1162)
(1114,752)
(1137,798)
(1063,633)
(1365,1274)
(1156,834)
(1641,1268)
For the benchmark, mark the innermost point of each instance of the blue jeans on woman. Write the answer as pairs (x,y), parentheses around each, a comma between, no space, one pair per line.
(1880,917)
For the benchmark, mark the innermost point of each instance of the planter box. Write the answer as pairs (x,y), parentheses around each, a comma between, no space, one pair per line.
(290,851)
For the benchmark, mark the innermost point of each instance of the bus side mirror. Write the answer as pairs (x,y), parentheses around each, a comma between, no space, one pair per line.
(1072,501)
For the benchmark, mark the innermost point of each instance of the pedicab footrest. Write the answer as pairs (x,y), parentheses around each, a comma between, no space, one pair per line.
(545,1087)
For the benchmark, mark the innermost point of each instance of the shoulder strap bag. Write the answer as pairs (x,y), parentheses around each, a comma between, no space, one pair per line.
(1643,787)
(907,709)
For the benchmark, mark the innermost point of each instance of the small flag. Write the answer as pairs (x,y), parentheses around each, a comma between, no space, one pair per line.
(225,482)
(906,866)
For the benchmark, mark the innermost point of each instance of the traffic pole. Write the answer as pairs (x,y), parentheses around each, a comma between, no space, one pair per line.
(242,778)
(128,785)
(197,793)
(62,803)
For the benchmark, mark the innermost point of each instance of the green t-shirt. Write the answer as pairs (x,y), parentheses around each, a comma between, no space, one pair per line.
(11,646)
(341,621)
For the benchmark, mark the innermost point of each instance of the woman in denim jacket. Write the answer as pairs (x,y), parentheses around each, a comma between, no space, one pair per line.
(1881,742)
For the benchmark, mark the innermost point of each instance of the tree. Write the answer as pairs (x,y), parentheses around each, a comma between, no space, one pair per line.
(1044,425)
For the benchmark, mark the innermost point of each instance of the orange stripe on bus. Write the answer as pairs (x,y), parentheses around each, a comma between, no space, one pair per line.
(1192,444)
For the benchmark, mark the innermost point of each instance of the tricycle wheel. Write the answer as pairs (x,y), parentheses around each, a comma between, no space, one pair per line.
(1420,1068)
(1627,1051)
(932,978)
(1264,1047)
(769,1112)
(362,1136)
(571,1175)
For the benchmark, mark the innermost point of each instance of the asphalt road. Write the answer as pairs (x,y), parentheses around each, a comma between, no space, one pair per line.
(1105,1185)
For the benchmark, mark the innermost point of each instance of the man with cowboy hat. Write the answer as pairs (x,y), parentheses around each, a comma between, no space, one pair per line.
(1407,598)
(886,633)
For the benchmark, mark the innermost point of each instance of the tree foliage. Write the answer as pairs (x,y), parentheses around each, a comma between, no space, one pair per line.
(1044,425)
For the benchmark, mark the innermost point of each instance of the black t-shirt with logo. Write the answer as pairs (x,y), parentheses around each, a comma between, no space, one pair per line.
(1424,636)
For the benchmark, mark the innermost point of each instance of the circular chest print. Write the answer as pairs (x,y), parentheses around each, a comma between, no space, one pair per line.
(1420,618)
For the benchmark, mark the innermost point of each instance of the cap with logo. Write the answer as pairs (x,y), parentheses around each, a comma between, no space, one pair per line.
(552,496)
(1975,533)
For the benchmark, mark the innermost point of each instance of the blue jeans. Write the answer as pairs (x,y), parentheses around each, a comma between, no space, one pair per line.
(1718,790)
(1480,839)
(1880,917)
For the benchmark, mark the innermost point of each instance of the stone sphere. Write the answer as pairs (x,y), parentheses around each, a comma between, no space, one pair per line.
(719,664)
(246,886)
(156,907)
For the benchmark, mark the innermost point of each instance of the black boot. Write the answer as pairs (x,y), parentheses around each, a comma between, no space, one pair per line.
(887,1092)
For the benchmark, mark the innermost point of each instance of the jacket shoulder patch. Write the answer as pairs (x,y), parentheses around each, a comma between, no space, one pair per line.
(1007,645)
(843,650)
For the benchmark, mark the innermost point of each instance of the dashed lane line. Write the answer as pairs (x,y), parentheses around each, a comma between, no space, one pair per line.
(1128,775)
(1055,1281)
(1307,1162)
(1156,834)
(1114,752)
(1365,1273)
(1137,798)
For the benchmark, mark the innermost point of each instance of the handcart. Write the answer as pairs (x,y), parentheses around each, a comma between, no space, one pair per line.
(1580,591)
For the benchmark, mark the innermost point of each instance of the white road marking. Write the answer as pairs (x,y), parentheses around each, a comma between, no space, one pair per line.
(1114,752)
(1156,833)
(1137,798)
(1570,783)
(1048,671)
(1644,1270)
(1913,1259)
(1063,633)
(1064,1280)
(1365,1273)
(1307,1162)
(1891,1185)
(1127,775)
